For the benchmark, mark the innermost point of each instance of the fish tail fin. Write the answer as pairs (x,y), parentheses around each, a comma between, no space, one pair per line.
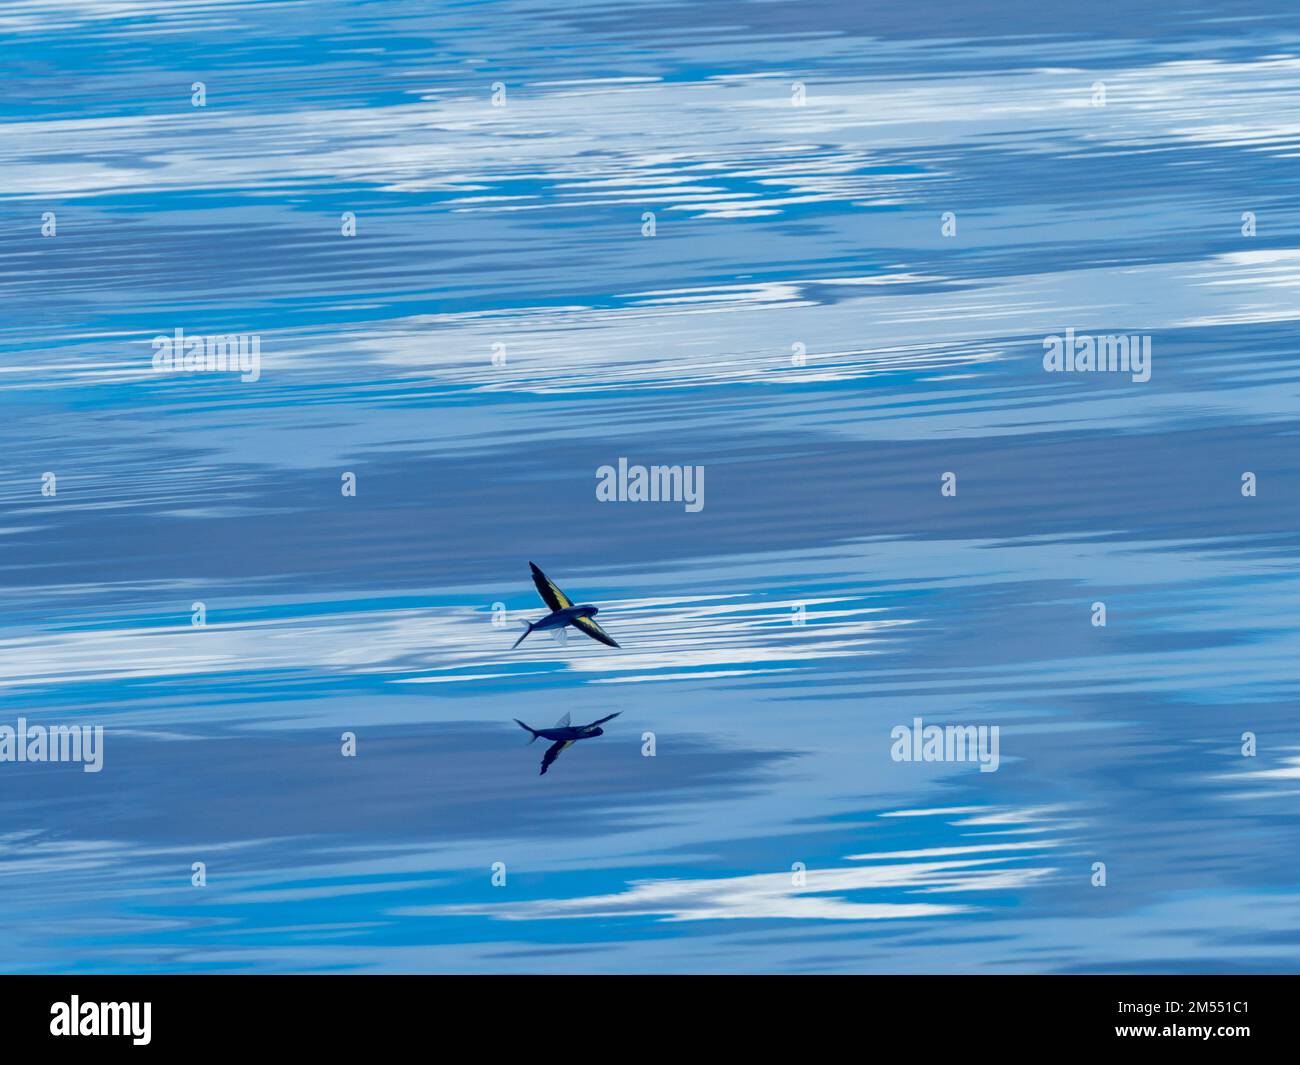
(521,724)
(528,627)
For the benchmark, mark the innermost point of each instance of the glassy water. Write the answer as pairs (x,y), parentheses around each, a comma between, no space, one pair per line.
(813,249)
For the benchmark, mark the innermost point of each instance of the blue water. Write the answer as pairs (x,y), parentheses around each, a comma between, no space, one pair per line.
(771,830)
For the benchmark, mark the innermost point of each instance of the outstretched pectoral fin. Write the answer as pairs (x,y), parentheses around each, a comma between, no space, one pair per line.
(549,590)
(552,753)
(594,631)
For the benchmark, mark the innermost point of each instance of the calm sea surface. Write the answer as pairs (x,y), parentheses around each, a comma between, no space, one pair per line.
(499,328)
